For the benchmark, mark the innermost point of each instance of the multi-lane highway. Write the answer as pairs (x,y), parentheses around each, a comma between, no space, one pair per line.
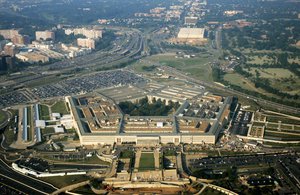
(274,105)
(124,49)
(23,183)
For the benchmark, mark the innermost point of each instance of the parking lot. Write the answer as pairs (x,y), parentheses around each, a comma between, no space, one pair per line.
(73,86)
(244,160)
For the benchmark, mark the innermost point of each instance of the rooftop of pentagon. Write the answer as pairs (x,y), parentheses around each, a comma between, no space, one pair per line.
(200,117)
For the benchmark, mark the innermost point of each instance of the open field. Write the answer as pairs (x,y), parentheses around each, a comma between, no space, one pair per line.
(59,107)
(260,60)
(210,191)
(288,86)
(9,136)
(198,66)
(295,60)
(44,112)
(147,161)
(2,116)
(61,181)
(238,80)
(273,118)
(48,130)
(283,135)
(273,73)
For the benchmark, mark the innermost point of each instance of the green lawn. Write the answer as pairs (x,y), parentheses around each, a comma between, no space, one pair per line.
(282,135)
(44,112)
(48,130)
(147,161)
(3,116)
(198,66)
(84,190)
(9,136)
(238,80)
(273,73)
(61,181)
(127,154)
(259,60)
(209,191)
(170,153)
(59,107)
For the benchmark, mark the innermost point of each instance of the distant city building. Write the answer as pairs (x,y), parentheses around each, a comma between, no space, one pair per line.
(157,10)
(232,12)
(41,45)
(190,20)
(21,39)
(10,49)
(44,35)
(103,21)
(75,51)
(32,57)
(191,33)
(89,43)
(88,33)
(176,7)
(9,33)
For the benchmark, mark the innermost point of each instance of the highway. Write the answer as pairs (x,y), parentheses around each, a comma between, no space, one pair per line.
(7,119)
(279,107)
(124,49)
(23,183)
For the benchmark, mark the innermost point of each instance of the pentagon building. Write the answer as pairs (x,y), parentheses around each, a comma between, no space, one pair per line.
(99,120)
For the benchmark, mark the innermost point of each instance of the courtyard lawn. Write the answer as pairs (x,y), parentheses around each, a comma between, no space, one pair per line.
(147,161)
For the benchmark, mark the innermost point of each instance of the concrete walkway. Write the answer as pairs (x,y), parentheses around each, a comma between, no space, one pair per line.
(156,160)
(137,160)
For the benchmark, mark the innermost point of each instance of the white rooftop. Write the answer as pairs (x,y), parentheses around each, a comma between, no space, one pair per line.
(191,33)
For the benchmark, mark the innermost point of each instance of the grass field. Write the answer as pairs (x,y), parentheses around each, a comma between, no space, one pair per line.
(147,161)
(282,135)
(48,130)
(273,73)
(44,112)
(238,80)
(198,66)
(288,86)
(59,107)
(9,136)
(84,190)
(3,116)
(295,60)
(259,60)
(61,181)
(209,191)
